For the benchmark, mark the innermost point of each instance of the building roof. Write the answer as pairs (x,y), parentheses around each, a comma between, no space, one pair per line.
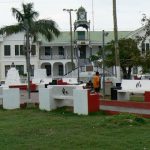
(95,37)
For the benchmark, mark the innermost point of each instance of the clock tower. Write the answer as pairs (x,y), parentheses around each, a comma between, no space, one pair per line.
(81,19)
(81,14)
(82,37)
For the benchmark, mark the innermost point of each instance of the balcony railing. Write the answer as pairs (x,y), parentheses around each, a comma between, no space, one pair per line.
(54,57)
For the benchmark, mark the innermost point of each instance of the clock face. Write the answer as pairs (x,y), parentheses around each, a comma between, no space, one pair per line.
(82,15)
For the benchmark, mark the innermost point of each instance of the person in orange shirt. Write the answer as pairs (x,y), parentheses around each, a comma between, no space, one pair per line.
(96,82)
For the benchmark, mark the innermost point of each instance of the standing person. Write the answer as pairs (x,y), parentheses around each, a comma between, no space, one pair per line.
(96,82)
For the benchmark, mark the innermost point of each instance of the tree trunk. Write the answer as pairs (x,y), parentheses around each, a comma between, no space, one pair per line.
(28,61)
(129,72)
(124,71)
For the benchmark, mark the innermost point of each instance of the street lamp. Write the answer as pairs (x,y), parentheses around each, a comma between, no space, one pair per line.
(69,11)
(103,56)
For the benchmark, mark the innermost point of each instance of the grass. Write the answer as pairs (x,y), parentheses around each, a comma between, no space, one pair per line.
(137,97)
(133,97)
(30,129)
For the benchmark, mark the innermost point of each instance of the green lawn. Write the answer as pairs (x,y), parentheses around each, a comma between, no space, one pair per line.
(133,97)
(29,129)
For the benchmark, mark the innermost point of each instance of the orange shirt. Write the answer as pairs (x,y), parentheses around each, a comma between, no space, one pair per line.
(96,81)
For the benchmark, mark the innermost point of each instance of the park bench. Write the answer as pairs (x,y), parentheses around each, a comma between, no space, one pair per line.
(68,95)
(134,87)
(56,96)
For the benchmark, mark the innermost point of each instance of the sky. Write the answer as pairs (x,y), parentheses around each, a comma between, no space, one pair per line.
(129,12)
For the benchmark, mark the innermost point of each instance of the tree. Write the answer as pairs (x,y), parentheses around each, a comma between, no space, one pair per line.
(28,24)
(129,56)
(141,39)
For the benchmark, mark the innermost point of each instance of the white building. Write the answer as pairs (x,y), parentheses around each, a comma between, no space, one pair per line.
(55,56)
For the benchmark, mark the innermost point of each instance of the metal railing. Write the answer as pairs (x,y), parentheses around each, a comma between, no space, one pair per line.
(54,57)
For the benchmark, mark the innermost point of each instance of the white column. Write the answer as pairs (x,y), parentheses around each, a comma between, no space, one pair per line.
(64,68)
(52,73)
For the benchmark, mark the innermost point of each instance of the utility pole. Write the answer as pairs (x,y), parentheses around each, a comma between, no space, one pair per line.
(117,58)
(103,44)
(103,56)
(70,17)
(93,14)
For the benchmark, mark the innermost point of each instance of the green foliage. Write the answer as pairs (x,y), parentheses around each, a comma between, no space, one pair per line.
(27,20)
(31,27)
(129,55)
(142,38)
(146,63)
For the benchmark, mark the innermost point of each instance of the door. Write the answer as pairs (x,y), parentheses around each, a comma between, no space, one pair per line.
(82,50)
(48,70)
(60,70)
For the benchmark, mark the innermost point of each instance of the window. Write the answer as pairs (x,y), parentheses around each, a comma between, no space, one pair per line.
(135,70)
(20,69)
(143,48)
(7,67)
(47,50)
(16,49)
(32,70)
(33,50)
(147,47)
(61,50)
(60,70)
(48,69)
(81,35)
(100,48)
(19,50)
(6,50)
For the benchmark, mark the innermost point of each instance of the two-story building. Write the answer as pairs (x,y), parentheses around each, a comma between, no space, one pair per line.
(55,56)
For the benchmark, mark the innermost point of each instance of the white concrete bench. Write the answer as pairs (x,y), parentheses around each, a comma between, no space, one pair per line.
(56,96)
(65,95)
(132,86)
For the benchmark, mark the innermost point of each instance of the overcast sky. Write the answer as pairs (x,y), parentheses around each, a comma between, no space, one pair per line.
(129,12)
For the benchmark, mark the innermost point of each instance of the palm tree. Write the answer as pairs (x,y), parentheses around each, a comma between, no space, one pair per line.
(117,59)
(28,24)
